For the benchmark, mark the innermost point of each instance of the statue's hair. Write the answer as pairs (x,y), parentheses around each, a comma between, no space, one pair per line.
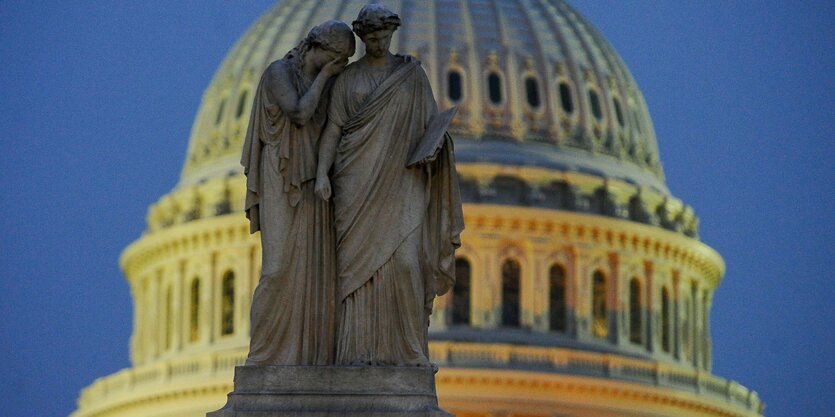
(333,35)
(374,17)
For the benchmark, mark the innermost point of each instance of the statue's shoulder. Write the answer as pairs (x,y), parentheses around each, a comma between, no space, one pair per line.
(407,59)
(280,66)
(410,62)
(350,71)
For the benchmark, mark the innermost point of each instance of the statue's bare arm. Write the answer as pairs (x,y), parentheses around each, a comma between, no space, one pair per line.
(327,154)
(301,109)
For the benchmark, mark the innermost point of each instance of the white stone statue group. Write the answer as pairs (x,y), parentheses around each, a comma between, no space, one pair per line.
(356,240)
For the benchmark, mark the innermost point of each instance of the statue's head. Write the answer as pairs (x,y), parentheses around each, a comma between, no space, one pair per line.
(375,25)
(333,37)
(374,17)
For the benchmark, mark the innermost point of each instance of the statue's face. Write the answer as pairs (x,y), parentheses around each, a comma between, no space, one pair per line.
(377,43)
(322,57)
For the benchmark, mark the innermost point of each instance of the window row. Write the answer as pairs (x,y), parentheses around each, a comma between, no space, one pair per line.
(495,92)
(194,313)
(239,110)
(601,308)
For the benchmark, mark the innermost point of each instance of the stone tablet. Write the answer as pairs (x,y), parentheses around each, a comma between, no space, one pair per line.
(433,139)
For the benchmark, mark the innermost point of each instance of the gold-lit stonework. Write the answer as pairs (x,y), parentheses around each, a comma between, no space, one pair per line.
(583,289)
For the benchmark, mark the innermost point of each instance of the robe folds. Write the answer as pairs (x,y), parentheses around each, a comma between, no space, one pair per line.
(396,227)
(293,307)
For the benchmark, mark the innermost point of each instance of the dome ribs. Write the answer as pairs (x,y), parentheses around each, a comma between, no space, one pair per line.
(593,78)
(545,41)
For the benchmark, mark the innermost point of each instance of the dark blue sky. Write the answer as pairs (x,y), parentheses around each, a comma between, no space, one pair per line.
(97,100)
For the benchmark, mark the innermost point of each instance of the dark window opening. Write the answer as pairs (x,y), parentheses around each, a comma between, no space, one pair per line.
(599,307)
(494,87)
(565,98)
(241,104)
(594,100)
(532,91)
(510,293)
(618,111)
(455,86)
(461,293)
(227,308)
(220,112)
(194,311)
(510,190)
(556,296)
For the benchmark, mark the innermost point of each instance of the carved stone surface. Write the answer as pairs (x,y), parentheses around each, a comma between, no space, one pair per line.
(369,253)
(313,391)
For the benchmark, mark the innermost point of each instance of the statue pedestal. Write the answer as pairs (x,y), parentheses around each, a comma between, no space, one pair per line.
(318,391)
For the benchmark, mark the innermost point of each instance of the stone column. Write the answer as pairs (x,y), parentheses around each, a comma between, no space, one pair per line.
(572,293)
(707,363)
(676,321)
(649,309)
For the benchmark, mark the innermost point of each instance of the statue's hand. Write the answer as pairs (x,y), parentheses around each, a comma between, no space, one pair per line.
(335,67)
(323,187)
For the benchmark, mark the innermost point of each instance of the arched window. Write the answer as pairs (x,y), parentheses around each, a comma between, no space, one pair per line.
(494,88)
(241,104)
(635,322)
(599,307)
(220,109)
(227,307)
(461,293)
(665,320)
(510,293)
(194,311)
(556,297)
(454,86)
(565,98)
(594,100)
(532,91)
(618,111)
(166,317)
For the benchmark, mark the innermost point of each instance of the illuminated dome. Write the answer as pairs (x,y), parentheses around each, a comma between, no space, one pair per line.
(537,78)
(582,288)
(537,87)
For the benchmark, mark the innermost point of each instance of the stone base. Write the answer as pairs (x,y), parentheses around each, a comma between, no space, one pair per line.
(318,391)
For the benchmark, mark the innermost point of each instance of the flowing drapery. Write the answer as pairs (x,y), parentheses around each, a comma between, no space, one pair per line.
(292,314)
(396,227)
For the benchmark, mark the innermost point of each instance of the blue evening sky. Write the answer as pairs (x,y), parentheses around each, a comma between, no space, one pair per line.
(97,100)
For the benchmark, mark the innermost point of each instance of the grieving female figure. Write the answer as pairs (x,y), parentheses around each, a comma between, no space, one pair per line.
(292,312)
(397,226)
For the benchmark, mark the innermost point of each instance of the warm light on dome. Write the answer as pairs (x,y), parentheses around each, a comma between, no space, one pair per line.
(582,286)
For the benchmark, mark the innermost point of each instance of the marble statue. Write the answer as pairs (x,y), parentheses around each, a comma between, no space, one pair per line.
(351,181)
(397,224)
(293,307)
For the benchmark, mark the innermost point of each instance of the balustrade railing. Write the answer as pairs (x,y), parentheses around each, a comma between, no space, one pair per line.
(453,355)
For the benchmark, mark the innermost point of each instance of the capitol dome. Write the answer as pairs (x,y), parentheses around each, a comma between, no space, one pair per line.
(537,86)
(582,288)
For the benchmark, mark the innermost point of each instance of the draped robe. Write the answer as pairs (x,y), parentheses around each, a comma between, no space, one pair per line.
(292,313)
(396,227)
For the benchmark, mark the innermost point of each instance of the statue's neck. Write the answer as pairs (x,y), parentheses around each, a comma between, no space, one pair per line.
(383,61)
